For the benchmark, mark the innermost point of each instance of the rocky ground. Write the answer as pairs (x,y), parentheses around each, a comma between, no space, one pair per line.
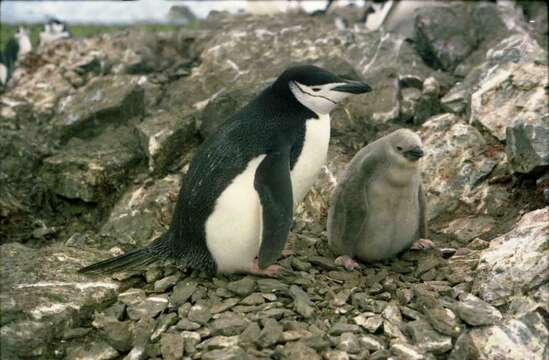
(96,133)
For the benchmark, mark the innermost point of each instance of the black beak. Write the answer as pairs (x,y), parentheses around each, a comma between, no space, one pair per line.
(353,87)
(414,154)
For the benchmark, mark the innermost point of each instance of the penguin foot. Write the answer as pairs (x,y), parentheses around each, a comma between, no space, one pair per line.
(347,262)
(254,269)
(422,244)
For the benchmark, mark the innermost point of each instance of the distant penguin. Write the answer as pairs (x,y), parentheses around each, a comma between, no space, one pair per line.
(234,209)
(16,47)
(379,209)
(3,70)
(53,30)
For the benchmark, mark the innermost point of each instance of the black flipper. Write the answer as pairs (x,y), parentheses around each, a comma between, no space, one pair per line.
(135,258)
(274,186)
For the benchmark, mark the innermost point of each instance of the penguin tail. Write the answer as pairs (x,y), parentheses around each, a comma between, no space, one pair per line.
(130,260)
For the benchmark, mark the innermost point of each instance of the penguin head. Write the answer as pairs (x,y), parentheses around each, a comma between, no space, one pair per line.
(56,26)
(405,147)
(317,89)
(22,32)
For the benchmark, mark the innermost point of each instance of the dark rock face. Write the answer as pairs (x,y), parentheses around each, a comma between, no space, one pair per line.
(96,133)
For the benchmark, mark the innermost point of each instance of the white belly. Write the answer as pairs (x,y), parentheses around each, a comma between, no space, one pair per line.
(233,229)
(313,156)
(3,74)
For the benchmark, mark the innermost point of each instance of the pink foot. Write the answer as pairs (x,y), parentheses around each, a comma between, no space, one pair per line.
(254,269)
(347,262)
(422,244)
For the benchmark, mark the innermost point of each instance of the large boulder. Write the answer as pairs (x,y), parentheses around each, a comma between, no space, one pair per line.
(42,297)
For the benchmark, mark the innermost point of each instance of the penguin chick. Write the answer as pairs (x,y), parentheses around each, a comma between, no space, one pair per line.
(378,209)
(234,209)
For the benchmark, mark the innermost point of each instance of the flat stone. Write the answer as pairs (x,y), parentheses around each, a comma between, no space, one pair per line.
(228,325)
(219,342)
(185,324)
(444,321)
(341,328)
(427,339)
(349,343)
(271,285)
(293,335)
(242,287)
(406,352)
(476,312)
(336,355)
(371,323)
(164,323)
(164,284)
(299,351)
(392,313)
(224,306)
(95,350)
(270,334)
(151,306)
(231,353)
(200,314)
(253,299)
(365,302)
(183,292)
(171,346)
(116,333)
(371,343)
(302,302)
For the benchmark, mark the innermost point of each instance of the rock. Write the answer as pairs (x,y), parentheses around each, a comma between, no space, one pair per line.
(183,292)
(341,328)
(467,228)
(476,312)
(454,163)
(371,343)
(231,353)
(137,217)
(349,343)
(516,260)
(407,352)
(224,306)
(171,346)
(199,314)
(523,338)
(270,334)
(302,303)
(92,170)
(365,302)
(219,342)
(299,351)
(426,339)
(271,285)
(164,284)
(228,325)
(104,101)
(526,145)
(336,355)
(166,136)
(116,333)
(42,295)
(96,350)
(392,313)
(242,287)
(164,323)
(443,320)
(151,306)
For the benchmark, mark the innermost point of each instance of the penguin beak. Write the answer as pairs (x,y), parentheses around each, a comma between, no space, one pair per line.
(353,87)
(414,154)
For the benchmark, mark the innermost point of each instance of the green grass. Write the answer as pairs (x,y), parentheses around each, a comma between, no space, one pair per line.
(80,31)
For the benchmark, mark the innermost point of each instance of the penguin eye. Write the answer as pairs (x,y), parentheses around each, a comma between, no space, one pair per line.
(399,148)
(316,89)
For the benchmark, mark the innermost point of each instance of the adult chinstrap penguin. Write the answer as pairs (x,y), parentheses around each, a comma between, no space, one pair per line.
(15,48)
(235,207)
(378,209)
(53,30)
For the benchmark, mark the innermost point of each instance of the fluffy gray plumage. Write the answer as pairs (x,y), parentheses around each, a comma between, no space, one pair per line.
(378,208)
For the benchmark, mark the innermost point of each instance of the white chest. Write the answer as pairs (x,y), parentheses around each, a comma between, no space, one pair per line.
(313,156)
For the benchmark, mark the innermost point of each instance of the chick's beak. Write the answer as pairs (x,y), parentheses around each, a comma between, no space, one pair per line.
(353,87)
(414,153)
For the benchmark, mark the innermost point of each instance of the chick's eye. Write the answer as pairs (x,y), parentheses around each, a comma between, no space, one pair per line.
(399,148)
(316,89)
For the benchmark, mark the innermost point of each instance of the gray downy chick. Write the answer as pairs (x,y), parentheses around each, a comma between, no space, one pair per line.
(378,209)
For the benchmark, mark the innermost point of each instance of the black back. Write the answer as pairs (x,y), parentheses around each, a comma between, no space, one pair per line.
(270,121)
(10,53)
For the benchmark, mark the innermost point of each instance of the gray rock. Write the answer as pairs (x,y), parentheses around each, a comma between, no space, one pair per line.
(104,101)
(93,169)
(407,352)
(231,353)
(349,343)
(228,325)
(476,312)
(224,306)
(364,301)
(183,292)
(443,320)
(465,229)
(138,216)
(302,302)
(171,346)
(200,314)
(151,306)
(42,295)
(94,350)
(522,338)
(444,35)
(527,145)
(271,285)
(219,342)
(116,333)
(164,323)
(427,339)
(299,351)
(132,296)
(371,323)
(242,287)
(164,284)
(341,328)
(371,343)
(392,313)
(270,334)
(165,137)
(185,324)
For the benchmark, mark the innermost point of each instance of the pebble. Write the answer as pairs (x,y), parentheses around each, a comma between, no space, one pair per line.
(183,292)
(302,302)
(219,342)
(242,287)
(476,312)
(228,325)
(151,306)
(171,346)
(270,334)
(349,343)
(341,328)
(200,314)
(427,339)
(166,283)
(232,353)
(406,352)
(371,343)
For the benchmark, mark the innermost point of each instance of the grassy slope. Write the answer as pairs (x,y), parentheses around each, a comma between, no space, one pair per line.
(6,31)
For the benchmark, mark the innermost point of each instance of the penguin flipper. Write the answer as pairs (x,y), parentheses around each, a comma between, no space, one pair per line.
(274,186)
